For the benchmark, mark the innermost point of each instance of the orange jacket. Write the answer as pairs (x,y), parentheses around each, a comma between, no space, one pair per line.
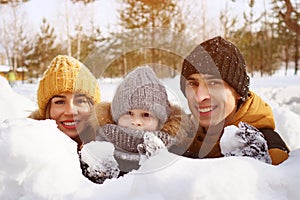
(255,112)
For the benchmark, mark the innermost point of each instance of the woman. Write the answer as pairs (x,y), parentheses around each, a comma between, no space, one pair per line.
(66,94)
(216,85)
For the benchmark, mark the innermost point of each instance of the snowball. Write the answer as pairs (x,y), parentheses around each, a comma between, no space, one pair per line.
(229,141)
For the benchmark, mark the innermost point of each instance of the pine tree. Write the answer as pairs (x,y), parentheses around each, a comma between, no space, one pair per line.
(150,34)
(44,49)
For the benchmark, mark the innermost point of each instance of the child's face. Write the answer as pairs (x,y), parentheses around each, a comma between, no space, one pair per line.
(139,119)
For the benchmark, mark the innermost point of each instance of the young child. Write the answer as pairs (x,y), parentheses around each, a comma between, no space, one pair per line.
(140,106)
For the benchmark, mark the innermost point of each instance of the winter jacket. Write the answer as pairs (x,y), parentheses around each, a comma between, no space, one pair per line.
(255,112)
(176,127)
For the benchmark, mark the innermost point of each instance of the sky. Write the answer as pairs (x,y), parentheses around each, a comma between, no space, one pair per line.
(32,168)
(106,15)
(104,11)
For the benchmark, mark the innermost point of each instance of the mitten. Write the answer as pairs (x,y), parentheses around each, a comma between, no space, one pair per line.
(244,140)
(97,161)
(151,146)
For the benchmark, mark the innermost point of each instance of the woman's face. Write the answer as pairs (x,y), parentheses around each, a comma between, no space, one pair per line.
(71,112)
(211,100)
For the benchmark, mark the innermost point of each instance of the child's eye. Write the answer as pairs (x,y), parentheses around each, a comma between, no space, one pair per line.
(129,113)
(146,115)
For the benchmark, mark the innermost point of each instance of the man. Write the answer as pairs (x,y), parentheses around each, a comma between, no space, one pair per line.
(216,85)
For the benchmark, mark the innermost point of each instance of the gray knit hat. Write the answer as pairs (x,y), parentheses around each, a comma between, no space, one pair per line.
(141,89)
(221,58)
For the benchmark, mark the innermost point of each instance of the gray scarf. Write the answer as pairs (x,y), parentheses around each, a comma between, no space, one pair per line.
(126,140)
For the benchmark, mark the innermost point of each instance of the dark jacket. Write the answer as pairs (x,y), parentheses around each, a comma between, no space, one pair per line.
(253,111)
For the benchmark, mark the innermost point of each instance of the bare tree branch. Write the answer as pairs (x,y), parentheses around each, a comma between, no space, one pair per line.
(291,23)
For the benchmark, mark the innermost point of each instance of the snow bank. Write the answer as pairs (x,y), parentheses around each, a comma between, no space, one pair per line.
(13,105)
(40,162)
(223,178)
(37,161)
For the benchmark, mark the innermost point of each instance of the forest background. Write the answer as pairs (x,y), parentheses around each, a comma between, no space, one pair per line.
(143,31)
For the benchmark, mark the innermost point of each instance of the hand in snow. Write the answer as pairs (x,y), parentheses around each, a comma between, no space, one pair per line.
(244,140)
(151,146)
(97,161)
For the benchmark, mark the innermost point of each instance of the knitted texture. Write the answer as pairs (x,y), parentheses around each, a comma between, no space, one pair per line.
(128,139)
(245,140)
(108,171)
(220,58)
(66,74)
(141,89)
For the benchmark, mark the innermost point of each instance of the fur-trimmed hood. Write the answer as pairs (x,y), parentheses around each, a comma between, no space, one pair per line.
(177,125)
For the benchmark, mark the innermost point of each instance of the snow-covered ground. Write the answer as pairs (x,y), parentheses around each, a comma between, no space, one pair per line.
(40,162)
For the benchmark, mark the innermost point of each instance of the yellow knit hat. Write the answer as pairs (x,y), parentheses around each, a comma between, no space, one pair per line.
(66,74)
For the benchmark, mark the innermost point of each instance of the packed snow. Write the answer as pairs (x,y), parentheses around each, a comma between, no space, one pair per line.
(235,142)
(40,162)
(98,155)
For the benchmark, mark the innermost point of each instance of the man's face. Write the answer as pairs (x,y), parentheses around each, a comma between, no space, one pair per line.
(211,100)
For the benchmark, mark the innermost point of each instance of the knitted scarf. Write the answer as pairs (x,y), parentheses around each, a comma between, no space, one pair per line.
(126,140)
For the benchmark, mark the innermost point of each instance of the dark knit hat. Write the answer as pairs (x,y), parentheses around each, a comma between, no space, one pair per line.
(141,89)
(218,57)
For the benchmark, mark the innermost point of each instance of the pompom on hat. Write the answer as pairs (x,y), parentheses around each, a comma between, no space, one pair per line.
(66,74)
(218,57)
(141,89)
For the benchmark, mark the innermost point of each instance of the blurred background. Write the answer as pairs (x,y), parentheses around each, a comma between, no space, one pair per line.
(116,35)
